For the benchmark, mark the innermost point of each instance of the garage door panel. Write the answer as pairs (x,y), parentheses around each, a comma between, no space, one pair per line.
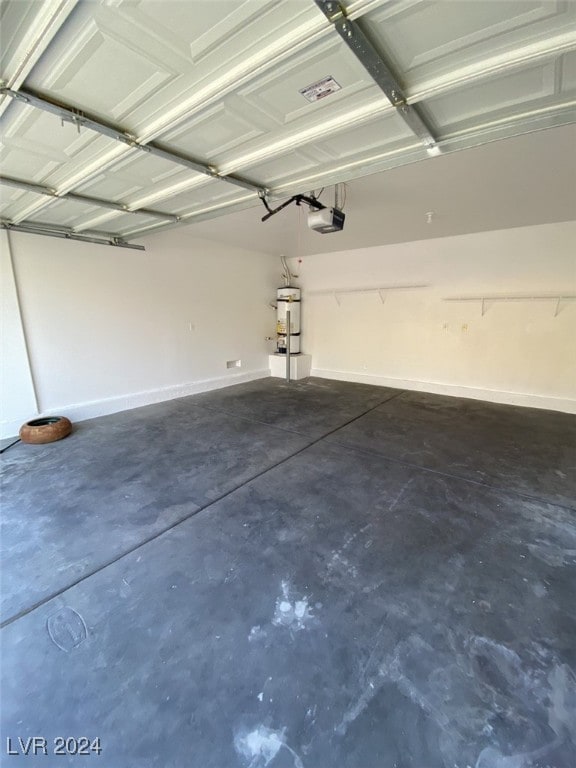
(110,187)
(112,222)
(131,38)
(361,163)
(567,71)
(359,108)
(145,167)
(119,188)
(19,162)
(118,71)
(270,28)
(64,213)
(277,92)
(133,175)
(220,83)
(278,168)
(128,222)
(136,60)
(16,20)
(203,26)
(514,93)
(205,195)
(384,132)
(13,200)
(427,39)
(273,32)
(221,128)
(34,143)
(38,147)
(211,209)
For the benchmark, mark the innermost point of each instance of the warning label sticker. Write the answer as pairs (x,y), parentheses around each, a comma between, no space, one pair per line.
(320,89)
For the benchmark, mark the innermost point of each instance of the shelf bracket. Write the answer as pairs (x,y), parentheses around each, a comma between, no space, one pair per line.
(558,306)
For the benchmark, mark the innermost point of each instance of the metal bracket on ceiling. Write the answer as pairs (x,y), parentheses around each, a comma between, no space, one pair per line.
(111,131)
(54,230)
(376,66)
(312,202)
(39,189)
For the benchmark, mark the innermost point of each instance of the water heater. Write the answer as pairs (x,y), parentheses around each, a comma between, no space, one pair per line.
(288,300)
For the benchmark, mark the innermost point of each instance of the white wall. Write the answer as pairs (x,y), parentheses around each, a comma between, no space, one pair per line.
(17,396)
(109,328)
(516,353)
(104,329)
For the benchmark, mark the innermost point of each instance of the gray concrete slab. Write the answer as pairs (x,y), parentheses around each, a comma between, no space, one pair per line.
(311,406)
(339,610)
(528,450)
(72,506)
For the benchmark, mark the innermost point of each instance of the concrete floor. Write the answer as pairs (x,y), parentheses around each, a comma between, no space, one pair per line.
(314,575)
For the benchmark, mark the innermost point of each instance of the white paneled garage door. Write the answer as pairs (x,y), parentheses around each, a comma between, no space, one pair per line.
(216,88)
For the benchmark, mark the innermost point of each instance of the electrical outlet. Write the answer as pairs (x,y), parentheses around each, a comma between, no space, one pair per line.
(233,363)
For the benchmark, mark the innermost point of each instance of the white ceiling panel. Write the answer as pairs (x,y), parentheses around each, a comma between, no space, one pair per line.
(276,93)
(162,193)
(123,222)
(214,89)
(519,91)
(283,164)
(221,128)
(16,25)
(131,177)
(107,63)
(516,182)
(249,37)
(64,212)
(357,112)
(26,30)
(13,200)
(38,144)
(271,108)
(384,133)
(425,39)
(137,60)
(567,75)
(210,193)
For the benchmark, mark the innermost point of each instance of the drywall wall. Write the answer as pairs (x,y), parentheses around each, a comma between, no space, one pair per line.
(17,396)
(517,352)
(109,328)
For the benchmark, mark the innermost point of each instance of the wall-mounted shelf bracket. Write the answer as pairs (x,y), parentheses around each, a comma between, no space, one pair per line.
(559,299)
(381,290)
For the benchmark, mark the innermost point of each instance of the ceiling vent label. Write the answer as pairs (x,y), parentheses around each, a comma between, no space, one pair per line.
(320,89)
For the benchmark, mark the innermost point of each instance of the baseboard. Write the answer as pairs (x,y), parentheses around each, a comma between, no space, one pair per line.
(9,429)
(565,405)
(94,408)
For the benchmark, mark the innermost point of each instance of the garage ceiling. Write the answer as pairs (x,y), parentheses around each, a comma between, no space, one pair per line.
(174,112)
(517,182)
